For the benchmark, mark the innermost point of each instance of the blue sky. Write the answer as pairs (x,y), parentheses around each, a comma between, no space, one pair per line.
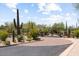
(40,13)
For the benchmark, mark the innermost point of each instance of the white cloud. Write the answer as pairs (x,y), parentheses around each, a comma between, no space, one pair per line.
(29,17)
(26,11)
(53,19)
(65,17)
(71,18)
(48,7)
(56,17)
(41,6)
(12,6)
(32,5)
(45,13)
(14,10)
(21,16)
(52,7)
(67,14)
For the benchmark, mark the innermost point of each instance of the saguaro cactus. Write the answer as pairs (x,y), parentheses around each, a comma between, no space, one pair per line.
(66,30)
(17,24)
(76,25)
(69,32)
(13,36)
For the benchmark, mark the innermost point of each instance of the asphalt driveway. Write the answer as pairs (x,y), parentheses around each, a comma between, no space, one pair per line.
(33,50)
(48,47)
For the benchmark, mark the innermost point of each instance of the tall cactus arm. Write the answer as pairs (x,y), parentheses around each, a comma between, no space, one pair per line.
(21,25)
(13,36)
(15,23)
(17,18)
(66,25)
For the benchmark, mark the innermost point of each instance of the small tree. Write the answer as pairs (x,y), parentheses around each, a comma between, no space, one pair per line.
(9,27)
(43,30)
(57,28)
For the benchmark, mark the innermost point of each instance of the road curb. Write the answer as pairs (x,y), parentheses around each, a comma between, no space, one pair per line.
(8,45)
(68,50)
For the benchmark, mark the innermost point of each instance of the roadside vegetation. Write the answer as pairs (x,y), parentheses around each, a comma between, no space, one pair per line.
(30,31)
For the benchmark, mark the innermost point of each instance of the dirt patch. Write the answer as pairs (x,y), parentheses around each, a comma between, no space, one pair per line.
(48,41)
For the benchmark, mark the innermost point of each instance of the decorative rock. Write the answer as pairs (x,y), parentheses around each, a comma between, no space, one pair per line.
(9,40)
(25,38)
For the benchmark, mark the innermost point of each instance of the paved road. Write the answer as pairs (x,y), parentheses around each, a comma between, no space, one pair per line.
(33,50)
(48,47)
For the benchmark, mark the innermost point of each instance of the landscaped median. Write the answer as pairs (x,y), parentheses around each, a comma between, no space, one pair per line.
(4,45)
(9,42)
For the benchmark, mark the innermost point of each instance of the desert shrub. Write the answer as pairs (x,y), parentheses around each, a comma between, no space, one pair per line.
(32,34)
(76,33)
(32,30)
(3,35)
(7,42)
(20,38)
(29,39)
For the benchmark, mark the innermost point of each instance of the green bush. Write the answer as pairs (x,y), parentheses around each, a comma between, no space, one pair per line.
(29,39)
(32,30)
(76,33)
(32,34)
(3,35)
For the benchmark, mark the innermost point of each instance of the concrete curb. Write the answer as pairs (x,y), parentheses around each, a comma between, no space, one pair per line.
(67,51)
(8,46)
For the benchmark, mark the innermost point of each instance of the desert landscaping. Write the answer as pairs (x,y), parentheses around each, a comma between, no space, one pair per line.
(31,39)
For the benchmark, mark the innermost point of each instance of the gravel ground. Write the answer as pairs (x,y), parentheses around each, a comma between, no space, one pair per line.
(48,41)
